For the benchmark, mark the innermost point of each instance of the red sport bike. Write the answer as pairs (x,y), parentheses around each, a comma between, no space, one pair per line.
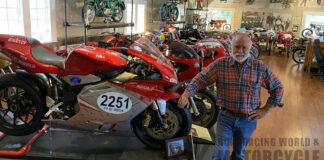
(93,89)
(188,64)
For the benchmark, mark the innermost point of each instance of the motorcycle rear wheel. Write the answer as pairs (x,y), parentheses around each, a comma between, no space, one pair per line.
(21,108)
(227,27)
(154,135)
(306,33)
(118,13)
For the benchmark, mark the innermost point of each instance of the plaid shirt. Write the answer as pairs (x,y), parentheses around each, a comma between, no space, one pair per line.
(238,89)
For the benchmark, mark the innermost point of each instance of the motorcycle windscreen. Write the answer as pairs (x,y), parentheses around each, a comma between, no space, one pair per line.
(180,50)
(145,46)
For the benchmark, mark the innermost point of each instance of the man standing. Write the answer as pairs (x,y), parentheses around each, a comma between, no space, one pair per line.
(238,78)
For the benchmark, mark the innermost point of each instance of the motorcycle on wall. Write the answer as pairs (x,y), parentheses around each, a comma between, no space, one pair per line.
(169,12)
(111,10)
(112,90)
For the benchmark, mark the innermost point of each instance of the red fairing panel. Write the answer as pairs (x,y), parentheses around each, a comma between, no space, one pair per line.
(88,60)
(220,54)
(190,73)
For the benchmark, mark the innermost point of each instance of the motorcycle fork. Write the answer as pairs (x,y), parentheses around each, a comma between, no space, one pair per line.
(159,115)
(193,105)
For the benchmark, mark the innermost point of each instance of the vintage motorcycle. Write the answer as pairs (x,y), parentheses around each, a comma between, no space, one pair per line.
(94,89)
(111,10)
(314,28)
(169,12)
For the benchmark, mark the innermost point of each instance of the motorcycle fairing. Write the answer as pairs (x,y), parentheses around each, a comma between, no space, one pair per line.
(89,115)
(74,80)
(88,60)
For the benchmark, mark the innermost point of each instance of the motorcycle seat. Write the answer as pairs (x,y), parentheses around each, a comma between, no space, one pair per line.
(43,55)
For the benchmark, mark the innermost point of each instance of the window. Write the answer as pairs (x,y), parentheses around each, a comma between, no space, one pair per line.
(40,19)
(11,18)
(216,14)
(220,15)
(314,18)
(138,17)
(28,17)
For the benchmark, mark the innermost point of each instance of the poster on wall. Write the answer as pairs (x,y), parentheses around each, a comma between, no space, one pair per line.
(308,3)
(255,3)
(282,4)
(278,21)
(252,19)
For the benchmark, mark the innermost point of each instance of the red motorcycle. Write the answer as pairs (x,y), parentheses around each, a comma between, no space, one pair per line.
(188,64)
(284,42)
(93,89)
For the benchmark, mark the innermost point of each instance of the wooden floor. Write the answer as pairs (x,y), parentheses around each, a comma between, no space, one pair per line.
(300,122)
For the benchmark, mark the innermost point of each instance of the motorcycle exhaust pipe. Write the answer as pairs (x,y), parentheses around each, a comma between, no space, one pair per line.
(193,105)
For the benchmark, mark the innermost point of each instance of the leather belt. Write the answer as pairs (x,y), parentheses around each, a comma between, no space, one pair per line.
(235,114)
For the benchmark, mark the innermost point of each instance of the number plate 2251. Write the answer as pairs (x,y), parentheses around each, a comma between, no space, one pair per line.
(114,102)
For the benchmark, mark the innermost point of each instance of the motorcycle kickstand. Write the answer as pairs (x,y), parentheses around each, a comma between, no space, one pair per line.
(194,107)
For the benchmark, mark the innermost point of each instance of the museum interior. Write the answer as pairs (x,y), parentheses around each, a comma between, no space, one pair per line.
(162,79)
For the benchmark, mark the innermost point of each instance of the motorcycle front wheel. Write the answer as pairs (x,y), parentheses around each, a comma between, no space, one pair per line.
(21,108)
(208,110)
(88,13)
(118,13)
(148,129)
(299,56)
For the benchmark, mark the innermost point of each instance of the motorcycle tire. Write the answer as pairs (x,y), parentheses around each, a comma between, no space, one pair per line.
(20,114)
(164,12)
(299,56)
(227,27)
(146,134)
(205,101)
(86,10)
(305,32)
(118,13)
(174,12)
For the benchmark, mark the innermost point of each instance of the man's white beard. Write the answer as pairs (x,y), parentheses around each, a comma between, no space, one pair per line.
(240,59)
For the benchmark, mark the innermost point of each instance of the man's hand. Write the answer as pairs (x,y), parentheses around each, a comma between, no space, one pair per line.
(259,113)
(184,99)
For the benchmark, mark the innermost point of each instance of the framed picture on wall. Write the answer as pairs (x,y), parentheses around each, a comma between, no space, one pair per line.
(175,147)
(295,28)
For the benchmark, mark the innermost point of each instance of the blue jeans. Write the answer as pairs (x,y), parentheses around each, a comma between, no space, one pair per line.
(228,127)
